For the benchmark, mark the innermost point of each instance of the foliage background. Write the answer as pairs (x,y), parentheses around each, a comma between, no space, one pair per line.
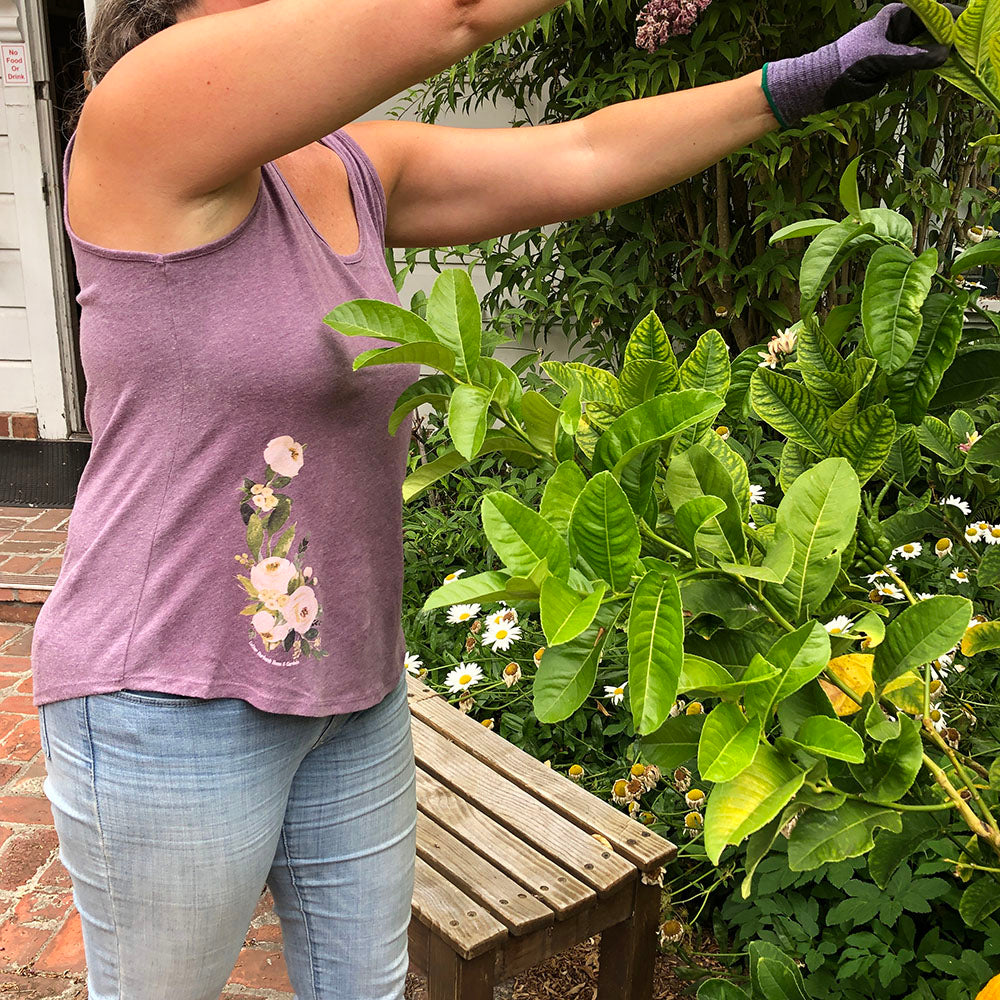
(701,245)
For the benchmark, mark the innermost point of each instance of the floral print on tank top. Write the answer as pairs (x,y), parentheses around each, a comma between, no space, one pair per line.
(283,608)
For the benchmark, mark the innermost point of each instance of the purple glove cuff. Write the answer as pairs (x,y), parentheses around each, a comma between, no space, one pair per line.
(795,87)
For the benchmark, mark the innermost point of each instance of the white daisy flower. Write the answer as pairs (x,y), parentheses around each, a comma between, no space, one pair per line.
(751,524)
(839,625)
(412,663)
(922,596)
(908,551)
(756,493)
(459,613)
(959,503)
(616,694)
(938,719)
(959,576)
(889,590)
(973,533)
(943,547)
(872,577)
(452,577)
(462,677)
(501,636)
(992,537)
(505,616)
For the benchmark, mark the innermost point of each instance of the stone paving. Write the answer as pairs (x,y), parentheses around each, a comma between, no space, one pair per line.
(41,951)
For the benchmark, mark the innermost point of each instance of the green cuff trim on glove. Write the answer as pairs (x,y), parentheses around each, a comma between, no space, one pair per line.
(770,99)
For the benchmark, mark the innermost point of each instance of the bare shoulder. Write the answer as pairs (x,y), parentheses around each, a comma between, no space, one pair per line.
(382,142)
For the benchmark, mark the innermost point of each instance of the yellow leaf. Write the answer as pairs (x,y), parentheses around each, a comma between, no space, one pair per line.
(991,991)
(855,670)
(906,692)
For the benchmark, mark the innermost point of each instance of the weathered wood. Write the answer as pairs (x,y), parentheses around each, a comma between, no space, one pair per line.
(645,849)
(557,888)
(628,950)
(506,899)
(518,810)
(519,953)
(468,928)
(450,977)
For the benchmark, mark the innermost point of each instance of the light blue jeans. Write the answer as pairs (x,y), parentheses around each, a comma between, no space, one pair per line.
(174,812)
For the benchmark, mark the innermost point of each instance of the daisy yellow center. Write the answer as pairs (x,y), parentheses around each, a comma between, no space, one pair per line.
(995,532)
(621,787)
(449,578)
(464,615)
(971,532)
(960,575)
(836,631)
(909,548)
(465,679)
(696,795)
(502,633)
(943,544)
(619,690)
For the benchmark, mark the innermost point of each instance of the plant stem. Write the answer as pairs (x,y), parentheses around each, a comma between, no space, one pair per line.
(983,808)
(902,586)
(644,529)
(974,823)
(775,614)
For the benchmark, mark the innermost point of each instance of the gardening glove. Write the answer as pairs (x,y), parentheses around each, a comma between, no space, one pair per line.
(854,67)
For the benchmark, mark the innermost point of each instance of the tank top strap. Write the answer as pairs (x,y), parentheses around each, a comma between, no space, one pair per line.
(364,175)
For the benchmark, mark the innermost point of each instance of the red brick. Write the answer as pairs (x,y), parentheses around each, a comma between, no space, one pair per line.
(30,781)
(24,425)
(14,664)
(18,564)
(51,518)
(18,645)
(23,743)
(64,953)
(264,970)
(28,987)
(7,771)
(43,538)
(23,855)
(9,722)
(38,592)
(270,933)
(25,809)
(8,632)
(38,907)
(20,703)
(53,565)
(55,876)
(19,945)
(14,610)
(21,512)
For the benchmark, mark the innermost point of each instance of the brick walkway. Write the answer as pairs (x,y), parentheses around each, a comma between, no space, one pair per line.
(41,951)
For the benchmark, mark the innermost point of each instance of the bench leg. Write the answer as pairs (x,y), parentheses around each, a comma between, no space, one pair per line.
(451,977)
(628,950)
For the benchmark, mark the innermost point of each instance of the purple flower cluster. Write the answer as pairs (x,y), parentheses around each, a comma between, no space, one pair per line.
(661,20)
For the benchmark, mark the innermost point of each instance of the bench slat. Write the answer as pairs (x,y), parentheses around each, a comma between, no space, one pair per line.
(515,808)
(557,888)
(508,901)
(645,849)
(467,926)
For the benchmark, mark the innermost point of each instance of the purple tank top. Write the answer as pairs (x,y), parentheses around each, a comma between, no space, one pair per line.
(237,531)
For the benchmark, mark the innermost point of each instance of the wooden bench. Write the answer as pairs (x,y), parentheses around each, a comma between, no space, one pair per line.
(507,872)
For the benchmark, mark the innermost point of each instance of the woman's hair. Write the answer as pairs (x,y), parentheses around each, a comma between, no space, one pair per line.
(120,25)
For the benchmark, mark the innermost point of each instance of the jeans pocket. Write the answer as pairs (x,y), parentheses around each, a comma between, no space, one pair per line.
(155,697)
(43,733)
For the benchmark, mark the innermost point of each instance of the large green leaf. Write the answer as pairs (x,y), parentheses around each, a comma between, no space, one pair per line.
(976,25)
(820,837)
(814,348)
(482,587)
(937,19)
(521,537)
(566,673)
(734,465)
(721,989)
(692,515)
(777,563)
(675,742)
(773,974)
(979,900)
(891,768)
(605,532)
(920,634)
(904,459)
(561,491)
(792,409)
(595,384)
(797,230)
(867,440)
(423,353)
(981,638)
(896,286)
(541,421)
(820,735)
(564,612)
(705,676)
(468,418)
(649,341)
(380,320)
(454,313)
(698,473)
(707,366)
(889,224)
(419,394)
(739,807)
(912,387)
(655,650)
(978,255)
(937,437)
(819,511)
(645,379)
(728,743)
(657,420)
(972,376)
(824,257)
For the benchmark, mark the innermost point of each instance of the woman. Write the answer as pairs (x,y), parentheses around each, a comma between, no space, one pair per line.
(219,669)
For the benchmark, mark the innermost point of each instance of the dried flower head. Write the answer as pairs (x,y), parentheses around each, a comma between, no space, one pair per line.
(661,20)
(671,931)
